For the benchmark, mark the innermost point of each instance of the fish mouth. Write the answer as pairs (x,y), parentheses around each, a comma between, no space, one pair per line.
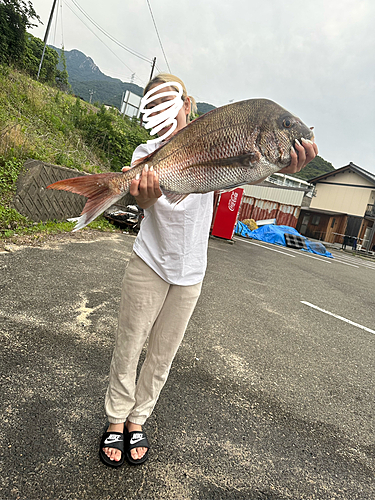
(309,136)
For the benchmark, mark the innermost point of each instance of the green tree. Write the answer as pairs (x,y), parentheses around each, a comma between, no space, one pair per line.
(15,17)
(62,73)
(32,55)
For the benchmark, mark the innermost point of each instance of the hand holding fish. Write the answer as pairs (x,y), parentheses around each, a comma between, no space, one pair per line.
(145,188)
(306,152)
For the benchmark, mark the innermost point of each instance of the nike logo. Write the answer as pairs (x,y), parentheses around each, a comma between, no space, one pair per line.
(136,438)
(113,438)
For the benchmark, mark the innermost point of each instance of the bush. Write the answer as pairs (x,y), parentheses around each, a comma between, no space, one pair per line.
(10,219)
(114,136)
(9,171)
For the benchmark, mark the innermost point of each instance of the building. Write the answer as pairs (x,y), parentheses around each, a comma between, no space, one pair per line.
(280,197)
(289,181)
(343,205)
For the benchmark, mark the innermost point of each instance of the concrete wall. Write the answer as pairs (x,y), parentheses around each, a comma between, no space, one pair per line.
(33,200)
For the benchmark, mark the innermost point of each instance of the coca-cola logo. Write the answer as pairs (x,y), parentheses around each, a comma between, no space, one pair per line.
(232,201)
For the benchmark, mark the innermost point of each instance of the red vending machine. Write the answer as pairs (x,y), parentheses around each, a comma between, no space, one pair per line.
(226,214)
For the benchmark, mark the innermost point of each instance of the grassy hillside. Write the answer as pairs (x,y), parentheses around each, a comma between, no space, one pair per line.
(43,123)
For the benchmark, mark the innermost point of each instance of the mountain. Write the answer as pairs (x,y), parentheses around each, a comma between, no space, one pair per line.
(88,81)
(317,166)
(203,107)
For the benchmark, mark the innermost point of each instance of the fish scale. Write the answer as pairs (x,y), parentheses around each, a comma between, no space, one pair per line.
(236,144)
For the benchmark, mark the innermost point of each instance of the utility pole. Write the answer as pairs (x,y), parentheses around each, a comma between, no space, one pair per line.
(46,36)
(153,66)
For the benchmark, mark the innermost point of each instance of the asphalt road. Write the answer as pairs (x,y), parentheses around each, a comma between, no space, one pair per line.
(269,398)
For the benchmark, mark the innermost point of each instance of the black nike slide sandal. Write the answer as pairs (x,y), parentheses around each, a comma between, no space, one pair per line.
(112,440)
(135,439)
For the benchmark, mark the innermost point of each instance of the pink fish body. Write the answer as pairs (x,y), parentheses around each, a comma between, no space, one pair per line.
(230,146)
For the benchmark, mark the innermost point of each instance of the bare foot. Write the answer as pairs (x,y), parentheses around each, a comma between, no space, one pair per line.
(136,453)
(112,453)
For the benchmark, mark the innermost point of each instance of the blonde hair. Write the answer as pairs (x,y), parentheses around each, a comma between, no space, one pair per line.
(167,77)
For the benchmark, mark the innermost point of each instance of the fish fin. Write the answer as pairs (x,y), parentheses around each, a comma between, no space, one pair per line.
(173,197)
(97,188)
(147,158)
(140,160)
(233,161)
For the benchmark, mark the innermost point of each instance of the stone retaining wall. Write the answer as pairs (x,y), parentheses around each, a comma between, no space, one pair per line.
(33,200)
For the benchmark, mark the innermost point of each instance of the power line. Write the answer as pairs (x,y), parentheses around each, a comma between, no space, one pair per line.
(88,27)
(157,32)
(119,43)
(137,54)
(56,19)
(62,25)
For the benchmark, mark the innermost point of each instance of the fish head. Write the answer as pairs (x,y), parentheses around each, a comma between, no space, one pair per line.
(278,131)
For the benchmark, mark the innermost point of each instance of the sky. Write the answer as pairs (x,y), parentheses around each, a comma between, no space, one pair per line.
(316,59)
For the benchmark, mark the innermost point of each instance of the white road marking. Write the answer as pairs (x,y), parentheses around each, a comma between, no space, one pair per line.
(346,263)
(263,246)
(356,259)
(338,317)
(307,254)
(286,249)
(328,260)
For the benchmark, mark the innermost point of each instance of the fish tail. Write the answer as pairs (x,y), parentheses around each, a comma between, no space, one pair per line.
(100,190)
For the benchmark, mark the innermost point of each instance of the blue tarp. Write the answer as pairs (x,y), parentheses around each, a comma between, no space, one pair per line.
(271,233)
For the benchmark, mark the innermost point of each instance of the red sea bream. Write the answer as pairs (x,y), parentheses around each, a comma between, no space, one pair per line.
(230,146)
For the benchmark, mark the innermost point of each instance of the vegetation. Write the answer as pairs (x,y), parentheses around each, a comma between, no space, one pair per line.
(24,51)
(112,136)
(44,123)
(204,107)
(15,17)
(50,72)
(35,231)
(318,166)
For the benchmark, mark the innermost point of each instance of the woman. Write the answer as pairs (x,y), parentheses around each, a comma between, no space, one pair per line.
(161,286)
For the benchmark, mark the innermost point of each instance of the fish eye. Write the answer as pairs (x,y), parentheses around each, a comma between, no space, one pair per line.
(287,123)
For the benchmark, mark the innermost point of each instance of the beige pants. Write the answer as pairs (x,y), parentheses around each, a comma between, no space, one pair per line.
(150,307)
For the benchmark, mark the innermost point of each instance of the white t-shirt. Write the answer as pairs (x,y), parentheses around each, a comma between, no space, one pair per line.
(173,239)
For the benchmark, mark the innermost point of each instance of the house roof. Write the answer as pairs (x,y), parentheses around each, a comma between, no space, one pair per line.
(358,170)
(322,211)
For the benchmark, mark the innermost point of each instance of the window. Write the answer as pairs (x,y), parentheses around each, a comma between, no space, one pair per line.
(315,220)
